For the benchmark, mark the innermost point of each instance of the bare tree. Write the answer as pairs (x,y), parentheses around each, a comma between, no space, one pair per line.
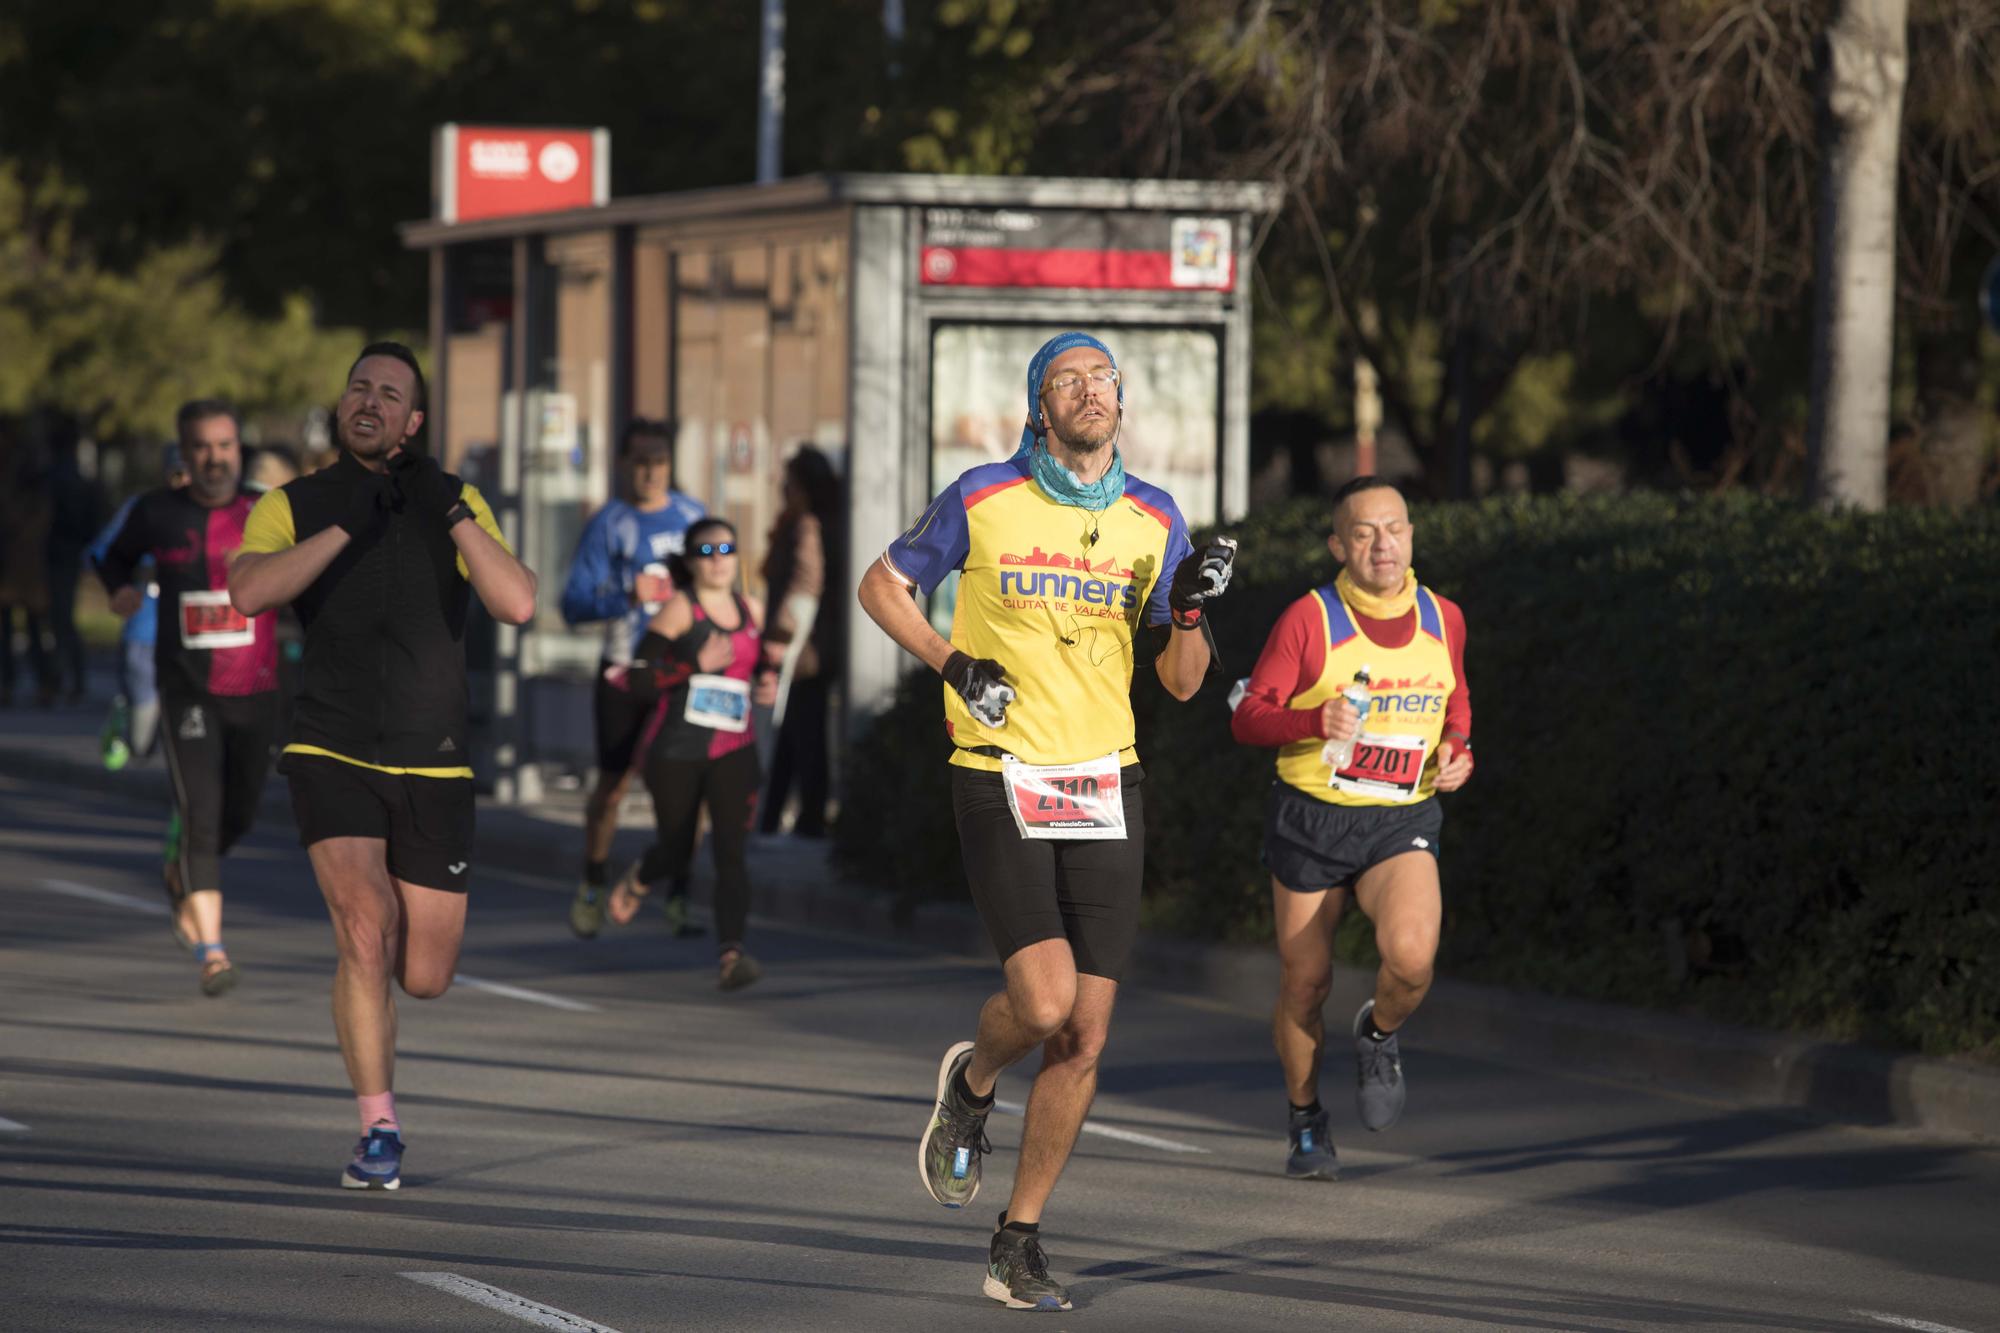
(1636,182)
(1854,285)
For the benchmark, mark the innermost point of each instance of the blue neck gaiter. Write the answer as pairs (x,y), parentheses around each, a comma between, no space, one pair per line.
(1057,481)
(1061,485)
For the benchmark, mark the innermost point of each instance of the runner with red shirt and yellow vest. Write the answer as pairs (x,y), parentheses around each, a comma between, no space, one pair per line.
(1370,827)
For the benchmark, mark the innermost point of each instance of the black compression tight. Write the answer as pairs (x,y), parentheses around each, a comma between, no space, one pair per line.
(728,787)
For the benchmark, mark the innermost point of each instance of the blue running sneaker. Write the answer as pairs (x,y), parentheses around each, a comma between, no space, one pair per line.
(377,1164)
(1312,1156)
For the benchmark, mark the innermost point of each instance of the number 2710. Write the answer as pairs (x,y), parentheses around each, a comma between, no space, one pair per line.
(1074,791)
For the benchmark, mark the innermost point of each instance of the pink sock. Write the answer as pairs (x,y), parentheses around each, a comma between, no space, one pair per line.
(378,1109)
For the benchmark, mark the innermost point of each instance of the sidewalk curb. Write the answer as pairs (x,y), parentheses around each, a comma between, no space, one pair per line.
(1856,1084)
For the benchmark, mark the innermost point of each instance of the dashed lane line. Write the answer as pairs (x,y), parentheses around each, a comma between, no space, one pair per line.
(523,993)
(150,906)
(1901,1321)
(1112,1132)
(507,1303)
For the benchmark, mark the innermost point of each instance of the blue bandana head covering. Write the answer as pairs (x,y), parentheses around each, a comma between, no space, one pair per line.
(1057,481)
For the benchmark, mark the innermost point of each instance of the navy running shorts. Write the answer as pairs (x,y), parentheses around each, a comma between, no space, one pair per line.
(1311,845)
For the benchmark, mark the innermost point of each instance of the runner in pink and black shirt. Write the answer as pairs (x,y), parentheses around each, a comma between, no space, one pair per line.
(702,659)
(217,669)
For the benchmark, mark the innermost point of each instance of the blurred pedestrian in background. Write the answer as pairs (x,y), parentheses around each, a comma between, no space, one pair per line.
(24,585)
(271,466)
(805,628)
(74,517)
(133,725)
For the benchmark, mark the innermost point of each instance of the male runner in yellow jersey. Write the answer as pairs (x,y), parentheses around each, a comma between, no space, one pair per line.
(379,553)
(1370,827)
(1065,561)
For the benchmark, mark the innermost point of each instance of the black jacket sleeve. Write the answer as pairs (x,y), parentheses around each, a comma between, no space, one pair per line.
(132,544)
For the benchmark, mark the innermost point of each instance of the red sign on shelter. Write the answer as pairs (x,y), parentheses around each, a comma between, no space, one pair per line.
(491,171)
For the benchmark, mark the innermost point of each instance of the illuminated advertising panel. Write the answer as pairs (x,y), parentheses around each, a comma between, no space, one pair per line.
(491,171)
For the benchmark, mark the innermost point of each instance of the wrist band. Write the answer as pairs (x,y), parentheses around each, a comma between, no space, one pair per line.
(1186,619)
(457,514)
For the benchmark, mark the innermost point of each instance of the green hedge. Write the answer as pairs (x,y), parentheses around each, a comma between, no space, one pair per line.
(1734,758)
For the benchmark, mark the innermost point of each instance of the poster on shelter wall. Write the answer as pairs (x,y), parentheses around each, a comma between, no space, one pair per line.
(1076,247)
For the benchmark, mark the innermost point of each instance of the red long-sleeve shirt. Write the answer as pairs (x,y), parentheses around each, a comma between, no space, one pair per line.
(1295,655)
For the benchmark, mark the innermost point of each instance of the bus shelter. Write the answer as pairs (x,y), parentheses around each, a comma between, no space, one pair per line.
(885,319)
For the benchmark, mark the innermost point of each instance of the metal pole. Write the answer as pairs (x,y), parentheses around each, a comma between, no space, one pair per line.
(771,94)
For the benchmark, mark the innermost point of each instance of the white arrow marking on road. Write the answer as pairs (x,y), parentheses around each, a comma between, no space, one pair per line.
(11,1126)
(1921,1325)
(96,895)
(523,993)
(507,1303)
(1112,1132)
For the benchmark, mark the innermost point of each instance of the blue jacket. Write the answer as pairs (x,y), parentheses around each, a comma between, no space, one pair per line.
(618,543)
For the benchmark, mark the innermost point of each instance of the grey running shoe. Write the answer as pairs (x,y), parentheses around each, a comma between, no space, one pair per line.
(218,977)
(586,910)
(954,1141)
(674,906)
(1379,1093)
(738,970)
(1017,1273)
(1312,1156)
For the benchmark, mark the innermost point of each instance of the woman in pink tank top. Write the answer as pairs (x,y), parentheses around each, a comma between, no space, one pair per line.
(702,655)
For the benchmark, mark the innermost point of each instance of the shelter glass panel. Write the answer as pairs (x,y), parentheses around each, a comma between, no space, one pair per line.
(565,471)
(1172,432)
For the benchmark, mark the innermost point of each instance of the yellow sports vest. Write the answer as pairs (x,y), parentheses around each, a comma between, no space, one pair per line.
(1394,761)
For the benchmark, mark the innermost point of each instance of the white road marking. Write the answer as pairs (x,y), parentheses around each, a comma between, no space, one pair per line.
(150,906)
(1921,1325)
(1112,1132)
(11,1126)
(507,1303)
(523,993)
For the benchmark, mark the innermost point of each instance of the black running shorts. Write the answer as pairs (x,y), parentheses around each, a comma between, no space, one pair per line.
(620,720)
(427,822)
(1310,845)
(1029,889)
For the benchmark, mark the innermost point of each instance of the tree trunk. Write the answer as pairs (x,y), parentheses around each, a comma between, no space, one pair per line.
(1854,279)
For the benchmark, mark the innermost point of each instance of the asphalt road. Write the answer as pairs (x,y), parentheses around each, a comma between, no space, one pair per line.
(613,1143)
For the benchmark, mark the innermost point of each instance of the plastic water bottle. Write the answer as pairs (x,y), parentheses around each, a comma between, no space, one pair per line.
(1337,753)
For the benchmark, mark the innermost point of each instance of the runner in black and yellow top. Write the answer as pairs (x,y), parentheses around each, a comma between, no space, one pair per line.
(380,553)
(1066,562)
(1367,825)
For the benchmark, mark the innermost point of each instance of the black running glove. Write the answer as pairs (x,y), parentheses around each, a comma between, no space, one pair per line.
(367,507)
(425,487)
(655,669)
(981,682)
(1201,578)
